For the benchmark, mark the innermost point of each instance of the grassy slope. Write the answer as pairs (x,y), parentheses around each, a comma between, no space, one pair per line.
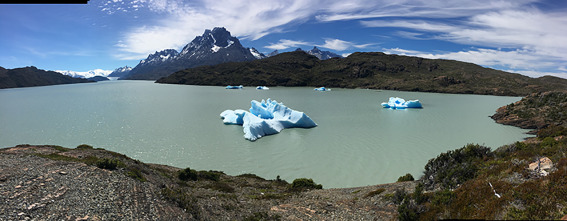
(367,70)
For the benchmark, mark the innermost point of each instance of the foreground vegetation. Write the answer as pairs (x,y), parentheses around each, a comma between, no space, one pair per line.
(475,183)
(367,70)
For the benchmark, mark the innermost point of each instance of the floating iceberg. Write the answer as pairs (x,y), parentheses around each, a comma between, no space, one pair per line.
(265,118)
(322,89)
(262,88)
(399,103)
(234,87)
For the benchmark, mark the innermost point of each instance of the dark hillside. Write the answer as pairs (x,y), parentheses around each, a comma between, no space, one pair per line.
(31,76)
(373,70)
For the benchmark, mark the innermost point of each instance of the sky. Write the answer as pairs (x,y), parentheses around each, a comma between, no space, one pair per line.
(521,36)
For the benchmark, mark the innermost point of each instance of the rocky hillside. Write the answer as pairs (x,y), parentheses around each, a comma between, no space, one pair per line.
(535,111)
(31,76)
(56,183)
(367,70)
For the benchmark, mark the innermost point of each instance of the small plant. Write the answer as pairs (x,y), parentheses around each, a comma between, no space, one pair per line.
(187,174)
(249,175)
(136,174)
(375,192)
(304,183)
(407,177)
(108,164)
(85,147)
(209,175)
(60,148)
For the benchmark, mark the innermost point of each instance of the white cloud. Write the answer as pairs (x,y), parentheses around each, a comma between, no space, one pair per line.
(515,25)
(340,45)
(367,9)
(285,43)
(522,61)
(183,21)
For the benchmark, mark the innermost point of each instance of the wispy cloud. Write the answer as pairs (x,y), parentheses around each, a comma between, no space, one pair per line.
(182,21)
(522,61)
(340,45)
(285,44)
(517,26)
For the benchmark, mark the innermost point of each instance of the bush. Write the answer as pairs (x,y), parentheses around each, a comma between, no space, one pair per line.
(85,147)
(407,210)
(375,192)
(136,174)
(187,174)
(209,175)
(454,167)
(304,183)
(108,164)
(418,195)
(407,177)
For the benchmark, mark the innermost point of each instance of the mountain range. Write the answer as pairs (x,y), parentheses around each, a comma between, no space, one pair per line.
(373,70)
(120,72)
(31,76)
(87,74)
(213,47)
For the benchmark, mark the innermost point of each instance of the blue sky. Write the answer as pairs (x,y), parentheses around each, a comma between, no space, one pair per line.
(521,36)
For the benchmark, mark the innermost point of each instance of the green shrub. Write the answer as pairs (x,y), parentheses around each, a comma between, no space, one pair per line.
(407,210)
(85,147)
(548,142)
(443,197)
(136,174)
(375,192)
(187,174)
(454,167)
(418,195)
(407,177)
(108,164)
(304,183)
(399,196)
(209,175)
(249,175)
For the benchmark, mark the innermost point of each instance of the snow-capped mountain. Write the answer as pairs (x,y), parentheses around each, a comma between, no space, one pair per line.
(257,54)
(88,74)
(322,55)
(213,47)
(121,71)
(273,53)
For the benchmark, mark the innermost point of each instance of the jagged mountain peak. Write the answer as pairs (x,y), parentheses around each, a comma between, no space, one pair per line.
(273,53)
(257,54)
(212,47)
(160,56)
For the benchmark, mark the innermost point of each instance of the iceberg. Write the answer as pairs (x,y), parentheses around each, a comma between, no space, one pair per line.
(399,103)
(322,89)
(234,87)
(265,118)
(262,88)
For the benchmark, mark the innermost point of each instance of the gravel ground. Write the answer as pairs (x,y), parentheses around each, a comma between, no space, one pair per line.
(65,186)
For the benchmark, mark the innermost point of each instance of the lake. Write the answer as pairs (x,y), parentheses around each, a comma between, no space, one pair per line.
(356,142)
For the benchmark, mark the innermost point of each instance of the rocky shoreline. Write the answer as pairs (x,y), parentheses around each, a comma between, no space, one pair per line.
(56,183)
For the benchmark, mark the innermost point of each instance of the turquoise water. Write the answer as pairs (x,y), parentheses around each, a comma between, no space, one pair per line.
(356,142)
